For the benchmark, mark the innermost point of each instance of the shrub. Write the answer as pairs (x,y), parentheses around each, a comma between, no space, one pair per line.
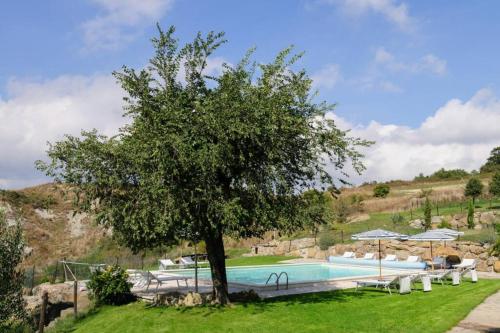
(397,218)
(110,286)
(326,240)
(470,216)
(444,224)
(12,305)
(381,190)
(427,214)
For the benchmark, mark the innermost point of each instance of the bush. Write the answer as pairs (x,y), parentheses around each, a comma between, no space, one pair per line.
(381,190)
(397,219)
(326,240)
(110,286)
(444,224)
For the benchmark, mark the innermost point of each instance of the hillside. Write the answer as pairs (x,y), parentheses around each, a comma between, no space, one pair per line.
(53,230)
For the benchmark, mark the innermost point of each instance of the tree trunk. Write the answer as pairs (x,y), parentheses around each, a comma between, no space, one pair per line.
(216,257)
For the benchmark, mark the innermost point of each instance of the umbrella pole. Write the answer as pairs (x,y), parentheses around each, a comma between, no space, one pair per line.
(379,261)
(432,257)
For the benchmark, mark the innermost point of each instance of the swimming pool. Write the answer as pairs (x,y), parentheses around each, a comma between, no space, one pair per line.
(297,273)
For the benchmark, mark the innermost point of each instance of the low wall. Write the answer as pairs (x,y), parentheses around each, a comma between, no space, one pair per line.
(402,249)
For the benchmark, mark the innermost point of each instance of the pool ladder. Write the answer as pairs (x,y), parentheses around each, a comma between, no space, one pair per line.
(278,277)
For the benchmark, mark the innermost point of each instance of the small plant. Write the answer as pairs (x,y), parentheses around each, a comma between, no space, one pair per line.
(381,190)
(110,286)
(444,224)
(397,219)
(326,240)
(470,215)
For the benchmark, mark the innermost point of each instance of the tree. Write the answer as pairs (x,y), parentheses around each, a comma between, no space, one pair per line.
(12,311)
(209,155)
(493,162)
(427,214)
(473,189)
(317,211)
(495,185)
(470,215)
(381,190)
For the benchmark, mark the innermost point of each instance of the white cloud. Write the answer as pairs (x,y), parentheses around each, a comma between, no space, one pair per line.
(37,112)
(120,22)
(393,11)
(426,64)
(327,77)
(459,135)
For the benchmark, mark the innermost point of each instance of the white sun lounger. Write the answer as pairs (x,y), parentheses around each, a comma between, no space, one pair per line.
(160,278)
(349,255)
(390,257)
(467,265)
(167,264)
(190,262)
(368,256)
(385,284)
(440,275)
(413,259)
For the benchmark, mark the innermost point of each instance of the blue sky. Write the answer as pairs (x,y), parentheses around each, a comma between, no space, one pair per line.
(390,65)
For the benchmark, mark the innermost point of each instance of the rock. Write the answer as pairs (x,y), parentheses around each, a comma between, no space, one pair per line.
(496,266)
(192,299)
(436,219)
(487,218)
(46,214)
(478,226)
(75,224)
(417,224)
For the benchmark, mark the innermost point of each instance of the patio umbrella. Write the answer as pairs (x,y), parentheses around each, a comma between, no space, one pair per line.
(378,234)
(432,236)
(449,232)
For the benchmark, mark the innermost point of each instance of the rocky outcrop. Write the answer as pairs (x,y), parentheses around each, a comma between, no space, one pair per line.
(481,220)
(60,298)
(402,249)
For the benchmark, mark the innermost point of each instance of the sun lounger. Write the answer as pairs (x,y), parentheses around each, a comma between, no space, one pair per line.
(385,284)
(467,265)
(390,257)
(349,255)
(440,275)
(168,264)
(190,262)
(413,259)
(161,278)
(368,256)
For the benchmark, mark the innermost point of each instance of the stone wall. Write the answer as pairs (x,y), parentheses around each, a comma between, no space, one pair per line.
(402,249)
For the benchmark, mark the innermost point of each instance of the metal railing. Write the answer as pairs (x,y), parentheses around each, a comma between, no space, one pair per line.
(278,277)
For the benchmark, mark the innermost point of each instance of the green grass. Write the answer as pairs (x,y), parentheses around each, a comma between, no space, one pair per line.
(257,260)
(336,311)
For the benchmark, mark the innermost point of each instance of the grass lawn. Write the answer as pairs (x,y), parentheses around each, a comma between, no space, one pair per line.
(337,311)
(257,260)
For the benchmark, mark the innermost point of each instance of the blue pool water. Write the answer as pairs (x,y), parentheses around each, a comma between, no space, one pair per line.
(297,273)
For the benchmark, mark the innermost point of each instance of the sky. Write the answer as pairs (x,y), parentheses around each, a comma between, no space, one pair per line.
(421,78)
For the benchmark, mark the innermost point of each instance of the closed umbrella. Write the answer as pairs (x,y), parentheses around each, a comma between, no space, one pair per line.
(378,234)
(432,236)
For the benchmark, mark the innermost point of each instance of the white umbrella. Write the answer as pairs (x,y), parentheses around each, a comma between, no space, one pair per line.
(449,232)
(432,236)
(378,234)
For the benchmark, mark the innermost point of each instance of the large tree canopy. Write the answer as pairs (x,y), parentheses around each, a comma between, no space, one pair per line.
(205,157)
